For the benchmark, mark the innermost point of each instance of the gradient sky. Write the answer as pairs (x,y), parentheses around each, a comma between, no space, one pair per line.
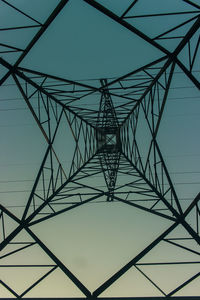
(97,239)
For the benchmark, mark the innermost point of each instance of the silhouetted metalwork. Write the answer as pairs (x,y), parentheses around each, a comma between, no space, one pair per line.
(106,142)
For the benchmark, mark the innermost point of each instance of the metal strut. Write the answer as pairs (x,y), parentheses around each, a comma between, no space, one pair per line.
(108,139)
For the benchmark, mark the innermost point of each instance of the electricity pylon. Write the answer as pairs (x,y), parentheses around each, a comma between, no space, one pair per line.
(106,142)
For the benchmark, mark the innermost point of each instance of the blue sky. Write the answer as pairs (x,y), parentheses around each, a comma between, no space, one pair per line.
(94,241)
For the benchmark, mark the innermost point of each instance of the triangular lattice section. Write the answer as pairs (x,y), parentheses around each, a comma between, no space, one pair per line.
(103,149)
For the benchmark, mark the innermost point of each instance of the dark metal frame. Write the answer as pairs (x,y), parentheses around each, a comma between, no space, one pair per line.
(106,142)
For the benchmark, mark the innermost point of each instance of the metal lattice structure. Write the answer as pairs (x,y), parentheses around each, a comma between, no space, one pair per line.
(107,119)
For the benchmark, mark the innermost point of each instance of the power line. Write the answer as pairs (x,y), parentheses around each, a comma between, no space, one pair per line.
(96,186)
(91,79)
(31,180)
(91,202)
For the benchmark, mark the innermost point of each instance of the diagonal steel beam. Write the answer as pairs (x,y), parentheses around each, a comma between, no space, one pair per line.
(188,73)
(130,6)
(25,222)
(66,209)
(44,27)
(136,71)
(172,58)
(59,78)
(144,208)
(133,29)
(179,217)
(39,88)
(132,262)
(192,3)
(69,274)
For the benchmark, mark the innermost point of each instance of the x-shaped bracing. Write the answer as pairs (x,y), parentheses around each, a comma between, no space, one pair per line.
(105,142)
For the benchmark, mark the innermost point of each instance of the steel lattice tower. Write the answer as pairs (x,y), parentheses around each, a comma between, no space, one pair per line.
(106,143)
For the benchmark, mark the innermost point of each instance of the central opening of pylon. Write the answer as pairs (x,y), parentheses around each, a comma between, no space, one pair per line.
(108,140)
(111,139)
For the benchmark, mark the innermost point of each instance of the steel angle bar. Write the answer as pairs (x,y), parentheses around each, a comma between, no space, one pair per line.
(19,27)
(121,21)
(192,205)
(88,87)
(11,47)
(181,246)
(48,151)
(67,272)
(66,209)
(179,217)
(173,58)
(150,280)
(132,262)
(144,208)
(184,284)
(192,3)
(39,88)
(44,27)
(73,134)
(165,14)
(192,60)
(155,131)
(49,141)
(130,6)
(7,240)
(38,281)
(9,289)
(70,179)
(188,73)
(25,222)
(168,177)
(169,263)
(21,12)
(154,81)
(136,71)
(135,260)
(18,250)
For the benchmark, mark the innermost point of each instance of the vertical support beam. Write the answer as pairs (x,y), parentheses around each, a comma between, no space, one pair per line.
(108,139)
